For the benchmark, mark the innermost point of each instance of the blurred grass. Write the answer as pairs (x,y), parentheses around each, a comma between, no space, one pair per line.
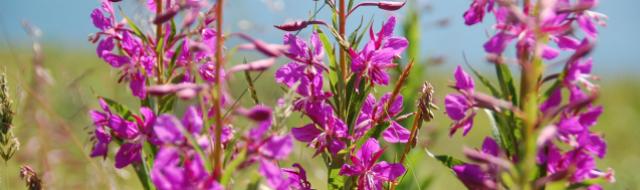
(55,133)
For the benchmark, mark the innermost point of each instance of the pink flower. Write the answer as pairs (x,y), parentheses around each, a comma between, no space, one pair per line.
(371,174)
(459,107)
(379,53)
(176,169)
(372,110)
(477,10)
(327,131)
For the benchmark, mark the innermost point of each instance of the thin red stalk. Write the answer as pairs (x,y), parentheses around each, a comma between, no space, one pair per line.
(159,37)
(342,20)
(217,149)
(417,122)
(396,91)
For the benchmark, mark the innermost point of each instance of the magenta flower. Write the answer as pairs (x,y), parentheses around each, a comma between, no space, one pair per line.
(374,111)
(556,25)
(302,53)
(459,107)
(135,53)
(305,70)
(396,133)
(284,179)
(371,174)
(477,10)
(298,177)
(168,129)
(103,137)
(262,144)
(177,169)
(476,177)
(378,54)
(208,72)
(473,177)
(580,162)
(99,19)
(132,133)
(104,51)
(275,177)
(327,131)
(307,60)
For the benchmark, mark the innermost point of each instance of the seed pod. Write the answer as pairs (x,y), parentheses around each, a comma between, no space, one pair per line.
(425,104)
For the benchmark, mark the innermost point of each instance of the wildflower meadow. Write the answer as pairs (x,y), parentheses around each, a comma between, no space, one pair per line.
(351,94)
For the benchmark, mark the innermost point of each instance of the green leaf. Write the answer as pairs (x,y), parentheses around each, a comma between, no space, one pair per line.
(142,169)
(355,35)
(330,52)
(119,109)
(336,181)
(505,121)
(557,84)
(143,175)
(173,30)
(356,43)
(355,98)
(484,81)
(446,160)
(134,27)
(502,132)
(231,167)
(174,58)
(350,6)
(254,183)
(505,78)
(166,103)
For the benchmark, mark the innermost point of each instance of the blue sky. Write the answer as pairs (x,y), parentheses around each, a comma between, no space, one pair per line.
(67,23)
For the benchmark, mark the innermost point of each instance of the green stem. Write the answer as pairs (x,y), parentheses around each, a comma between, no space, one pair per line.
(531,77)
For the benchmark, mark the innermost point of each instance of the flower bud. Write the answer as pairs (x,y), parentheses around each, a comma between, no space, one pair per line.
(258,113)
(391,5)
(297,25)
(259,65)
(271,50)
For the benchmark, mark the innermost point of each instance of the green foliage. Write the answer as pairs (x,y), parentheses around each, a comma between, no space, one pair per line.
(230,168)
(446,160)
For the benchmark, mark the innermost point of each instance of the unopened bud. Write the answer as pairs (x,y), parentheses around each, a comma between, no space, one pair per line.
(259,65)
(391,5)
(298,25)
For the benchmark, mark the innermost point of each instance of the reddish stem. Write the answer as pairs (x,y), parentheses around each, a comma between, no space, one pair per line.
(342,20)
(217,149)
(159,36)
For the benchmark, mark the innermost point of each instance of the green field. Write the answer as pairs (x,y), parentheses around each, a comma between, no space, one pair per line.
(53,127)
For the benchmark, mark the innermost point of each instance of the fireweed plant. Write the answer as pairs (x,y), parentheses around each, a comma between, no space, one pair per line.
(334,78)
(184,59)
(542,137)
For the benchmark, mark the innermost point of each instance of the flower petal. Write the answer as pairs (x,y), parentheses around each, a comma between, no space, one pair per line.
(306,133)
(395,133)
(127,154)
(388,172)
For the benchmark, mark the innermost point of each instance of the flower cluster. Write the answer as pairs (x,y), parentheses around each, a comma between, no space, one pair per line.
(565,148)
(182,61)
(349,115)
